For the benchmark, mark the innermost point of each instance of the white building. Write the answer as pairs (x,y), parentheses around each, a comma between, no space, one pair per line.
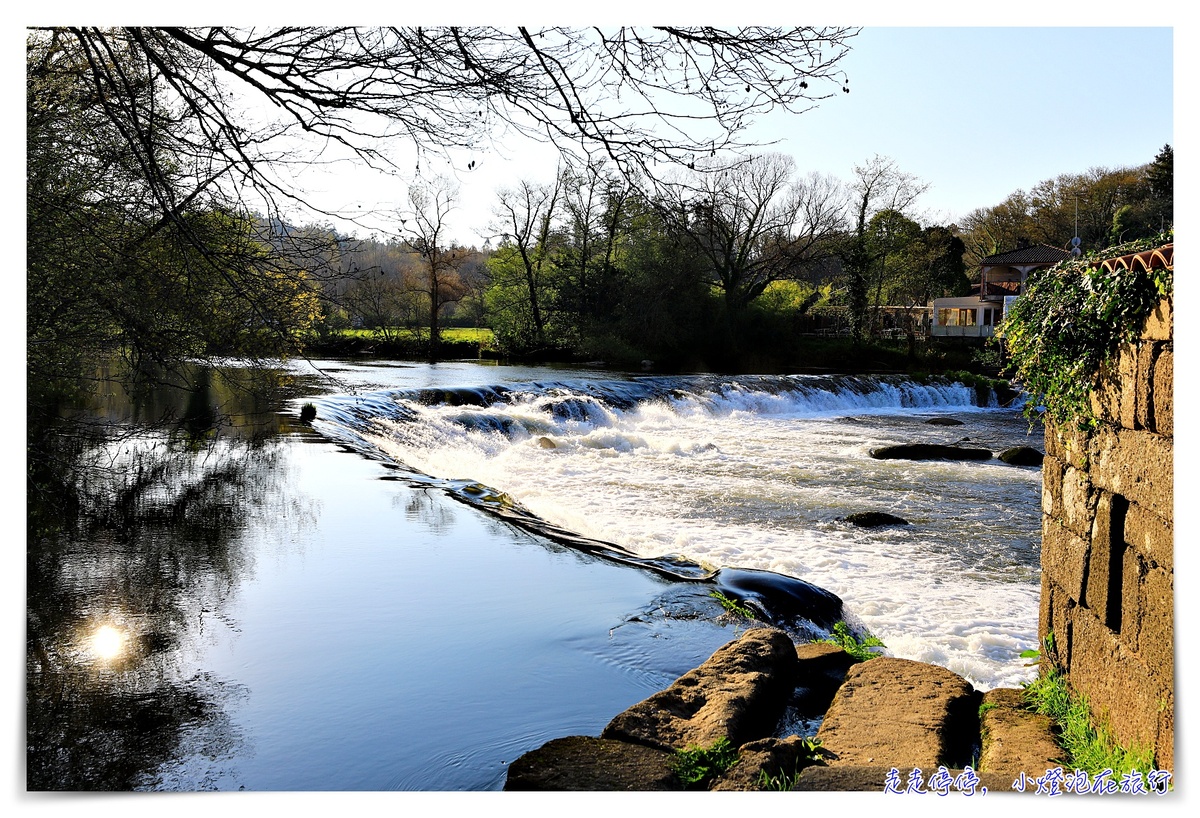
(1001,281)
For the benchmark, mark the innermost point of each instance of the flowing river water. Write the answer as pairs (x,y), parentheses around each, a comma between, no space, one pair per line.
(457,563)
(756,472)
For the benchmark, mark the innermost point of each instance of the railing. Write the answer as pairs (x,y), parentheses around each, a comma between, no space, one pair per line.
(962,331)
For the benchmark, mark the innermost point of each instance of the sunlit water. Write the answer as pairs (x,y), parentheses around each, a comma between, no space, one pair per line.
(756,472)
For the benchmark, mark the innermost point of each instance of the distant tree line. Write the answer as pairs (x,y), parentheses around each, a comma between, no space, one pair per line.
(715,265)
(1110,206)
(147,163)
(706,264)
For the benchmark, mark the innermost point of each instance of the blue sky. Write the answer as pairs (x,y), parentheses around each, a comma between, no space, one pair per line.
(980,112)
(975,112)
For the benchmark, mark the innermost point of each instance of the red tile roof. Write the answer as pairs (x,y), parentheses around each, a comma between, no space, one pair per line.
(1159,258)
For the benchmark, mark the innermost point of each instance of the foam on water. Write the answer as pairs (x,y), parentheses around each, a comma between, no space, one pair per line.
(755,472)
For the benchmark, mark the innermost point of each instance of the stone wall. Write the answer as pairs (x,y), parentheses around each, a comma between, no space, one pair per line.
(1107,545)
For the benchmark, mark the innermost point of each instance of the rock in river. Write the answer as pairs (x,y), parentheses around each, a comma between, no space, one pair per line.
(1022,456)
(929,451)
(874,519)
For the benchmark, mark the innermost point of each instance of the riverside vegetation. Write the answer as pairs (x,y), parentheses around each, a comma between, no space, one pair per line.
(1068,324)
(1088,743)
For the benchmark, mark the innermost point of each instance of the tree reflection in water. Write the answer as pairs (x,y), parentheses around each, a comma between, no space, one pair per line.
(135,510)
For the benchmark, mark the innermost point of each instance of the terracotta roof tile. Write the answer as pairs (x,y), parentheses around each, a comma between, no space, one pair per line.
(1158,258)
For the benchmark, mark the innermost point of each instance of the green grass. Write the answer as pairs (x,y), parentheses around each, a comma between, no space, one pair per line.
(481,335)
(1089,745)
(732,605)
(696,766)
(777,783)
(858,648)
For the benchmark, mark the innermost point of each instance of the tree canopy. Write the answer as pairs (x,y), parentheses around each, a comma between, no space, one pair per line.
(142,140)
(756,223)
(1102,206)
(124,253)
(633,96)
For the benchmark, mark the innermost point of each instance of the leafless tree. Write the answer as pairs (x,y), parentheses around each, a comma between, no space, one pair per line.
(425,223)
(879,185)
(525,217)
(634,96)
(756,223)
(596,204)
(203,119)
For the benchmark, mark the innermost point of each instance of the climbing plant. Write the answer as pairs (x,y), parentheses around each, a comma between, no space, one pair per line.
(1070,322)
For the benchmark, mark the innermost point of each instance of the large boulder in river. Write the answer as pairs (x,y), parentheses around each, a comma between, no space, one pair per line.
(739,694)
(1022,456)
(578,763)
(780,597)
(929,451)
(874,519)
(903,714)
(944,422)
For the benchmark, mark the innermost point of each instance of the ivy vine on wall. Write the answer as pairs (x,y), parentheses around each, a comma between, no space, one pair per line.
(1071,320)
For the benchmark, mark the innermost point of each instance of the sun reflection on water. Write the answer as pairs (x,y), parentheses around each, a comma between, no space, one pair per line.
(107,642)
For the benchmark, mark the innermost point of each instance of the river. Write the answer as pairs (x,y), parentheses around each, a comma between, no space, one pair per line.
(456,563)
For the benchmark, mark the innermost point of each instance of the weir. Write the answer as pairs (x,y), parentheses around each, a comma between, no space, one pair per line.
(743,484)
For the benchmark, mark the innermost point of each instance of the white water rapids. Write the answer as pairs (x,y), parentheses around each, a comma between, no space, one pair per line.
(755,472)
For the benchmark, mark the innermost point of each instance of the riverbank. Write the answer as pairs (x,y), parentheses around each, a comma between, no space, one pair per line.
(803,354)
(293,617)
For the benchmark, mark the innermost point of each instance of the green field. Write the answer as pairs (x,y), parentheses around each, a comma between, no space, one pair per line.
(481,335)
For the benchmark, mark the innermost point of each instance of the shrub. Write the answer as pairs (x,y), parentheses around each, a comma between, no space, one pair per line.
(1071,321)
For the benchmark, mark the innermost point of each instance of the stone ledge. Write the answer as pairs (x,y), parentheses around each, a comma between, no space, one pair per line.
(1014,739)
(901,713)
(578,763)
(892,700)
(738,694)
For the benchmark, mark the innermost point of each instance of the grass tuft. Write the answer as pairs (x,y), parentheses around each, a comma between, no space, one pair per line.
(859,648)
(732,605)
(696,766)
(811,754)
